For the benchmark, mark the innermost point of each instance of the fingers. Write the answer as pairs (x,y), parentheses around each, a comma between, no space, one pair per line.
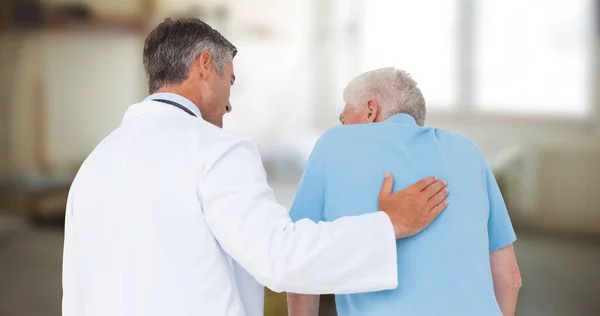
(433,189)
(422,185)
(386,186)
(437,199)
(438,209)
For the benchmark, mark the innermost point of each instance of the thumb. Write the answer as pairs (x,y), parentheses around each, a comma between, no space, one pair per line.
(386,186)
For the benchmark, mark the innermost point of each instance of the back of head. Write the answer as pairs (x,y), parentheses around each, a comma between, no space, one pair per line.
(171,48)
(394,90)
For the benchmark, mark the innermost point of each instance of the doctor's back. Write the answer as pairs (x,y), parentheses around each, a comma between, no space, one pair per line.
(445,270)
(136,240)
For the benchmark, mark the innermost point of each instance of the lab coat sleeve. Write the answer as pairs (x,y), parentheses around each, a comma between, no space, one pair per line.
(72,301)
(350,255)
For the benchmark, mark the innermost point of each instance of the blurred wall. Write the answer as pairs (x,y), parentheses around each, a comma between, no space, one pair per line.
(554,184)
(90,81)
(8,53)
(569,199)
(23,65)
(83,81)
(89,78)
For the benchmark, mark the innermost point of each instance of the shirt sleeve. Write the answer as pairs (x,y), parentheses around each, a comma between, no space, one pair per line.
(500,229)
(350,255)
(310,196)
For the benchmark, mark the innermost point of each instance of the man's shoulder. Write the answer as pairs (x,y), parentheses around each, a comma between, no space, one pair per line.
(339,136)
(333,142)
(449,134)
(457,139)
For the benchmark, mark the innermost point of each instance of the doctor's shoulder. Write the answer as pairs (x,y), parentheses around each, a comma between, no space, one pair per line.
(216,142)
(209,136)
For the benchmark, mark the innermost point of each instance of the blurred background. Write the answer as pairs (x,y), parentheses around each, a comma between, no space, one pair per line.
(518,77)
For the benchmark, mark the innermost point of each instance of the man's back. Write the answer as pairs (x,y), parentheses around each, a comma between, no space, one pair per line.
(137,241)
(445,269)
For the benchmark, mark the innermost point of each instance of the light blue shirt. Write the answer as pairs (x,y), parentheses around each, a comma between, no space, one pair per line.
(444,270)
(173,97)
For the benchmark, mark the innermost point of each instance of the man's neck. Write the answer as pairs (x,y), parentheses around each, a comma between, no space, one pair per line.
(193,96)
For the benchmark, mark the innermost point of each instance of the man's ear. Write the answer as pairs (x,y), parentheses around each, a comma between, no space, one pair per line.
(372,110)
(204,63)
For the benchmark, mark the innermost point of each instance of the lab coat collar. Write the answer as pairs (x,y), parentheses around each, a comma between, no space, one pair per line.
(149,105)
(176,98)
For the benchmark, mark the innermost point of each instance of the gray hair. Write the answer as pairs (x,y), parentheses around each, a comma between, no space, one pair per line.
(394,89)
(171,48)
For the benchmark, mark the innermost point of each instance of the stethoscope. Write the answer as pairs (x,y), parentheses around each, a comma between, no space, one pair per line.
(177,105)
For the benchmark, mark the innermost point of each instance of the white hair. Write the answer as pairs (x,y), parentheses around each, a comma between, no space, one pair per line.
(394,89)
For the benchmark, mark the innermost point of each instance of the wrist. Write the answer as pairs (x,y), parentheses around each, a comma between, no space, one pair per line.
(399,231)
(392,225)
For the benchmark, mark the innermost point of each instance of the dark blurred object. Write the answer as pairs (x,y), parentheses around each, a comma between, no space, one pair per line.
(34,196)
(5,14)
(100,23)
(327,305)
(27,14)
(34,13)
(69,14)
(31,14)
(74,11)
(80,17)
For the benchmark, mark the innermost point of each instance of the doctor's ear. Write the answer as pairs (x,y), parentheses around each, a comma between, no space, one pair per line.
(372,110)
(204,64)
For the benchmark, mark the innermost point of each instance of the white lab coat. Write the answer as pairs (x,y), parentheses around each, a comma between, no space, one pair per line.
(173,216)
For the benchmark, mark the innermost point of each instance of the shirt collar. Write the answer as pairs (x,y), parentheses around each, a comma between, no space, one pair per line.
(176,98)
(402,118)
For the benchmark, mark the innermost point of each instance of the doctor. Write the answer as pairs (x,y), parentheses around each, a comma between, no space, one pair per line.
(171,215)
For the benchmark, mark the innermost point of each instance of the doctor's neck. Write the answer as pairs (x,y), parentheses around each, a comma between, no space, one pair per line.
(187,91)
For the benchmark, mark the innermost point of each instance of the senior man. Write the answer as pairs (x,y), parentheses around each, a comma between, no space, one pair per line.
(464,262)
